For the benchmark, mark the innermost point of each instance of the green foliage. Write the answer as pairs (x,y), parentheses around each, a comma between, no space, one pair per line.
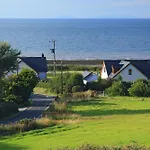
(76,88)
(93,147)
(69,81)
(44,84)
(84,95)
(100,85)
(7,109)
(25,125)
(117,89)
(119,78)
(60,106)
(73,80)
(8,58)
(1,89)
(140,88)
(19,87)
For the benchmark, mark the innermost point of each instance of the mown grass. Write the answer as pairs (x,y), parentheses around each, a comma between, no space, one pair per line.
(104,121)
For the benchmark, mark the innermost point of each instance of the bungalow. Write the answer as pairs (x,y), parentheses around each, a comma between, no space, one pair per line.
(129,70)
(89,77)
(38,64)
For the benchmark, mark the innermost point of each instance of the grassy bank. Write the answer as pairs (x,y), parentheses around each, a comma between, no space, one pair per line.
(104,121)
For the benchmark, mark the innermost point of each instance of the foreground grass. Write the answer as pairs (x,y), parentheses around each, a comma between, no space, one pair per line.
(108,121)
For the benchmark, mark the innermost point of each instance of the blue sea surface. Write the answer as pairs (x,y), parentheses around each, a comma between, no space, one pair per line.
(79,38)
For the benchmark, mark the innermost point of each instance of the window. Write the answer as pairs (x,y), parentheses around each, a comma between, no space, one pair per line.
(130,71)
(104,69)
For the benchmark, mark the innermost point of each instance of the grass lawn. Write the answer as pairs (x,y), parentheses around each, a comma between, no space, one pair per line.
(106,121)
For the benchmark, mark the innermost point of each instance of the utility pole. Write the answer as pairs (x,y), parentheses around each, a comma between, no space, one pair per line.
(62,78)
(53,52)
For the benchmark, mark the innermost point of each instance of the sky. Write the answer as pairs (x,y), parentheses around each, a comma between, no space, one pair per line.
(74,8)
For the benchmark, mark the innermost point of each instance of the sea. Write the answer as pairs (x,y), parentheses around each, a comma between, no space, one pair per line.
(79,38)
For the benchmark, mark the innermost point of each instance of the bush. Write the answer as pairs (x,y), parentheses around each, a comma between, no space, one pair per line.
(25,125)
(76,88)
(100,85)
(140,88)
(92,147)
(44,84)
(69,81)
(18,88)
(84,95)
(7,109)
(60,106)
(73,80)
(117,89)
(1,89)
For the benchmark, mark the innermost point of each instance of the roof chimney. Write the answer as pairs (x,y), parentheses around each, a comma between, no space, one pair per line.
(42,55)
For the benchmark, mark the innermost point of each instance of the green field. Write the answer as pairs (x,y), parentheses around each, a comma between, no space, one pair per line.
(106,121)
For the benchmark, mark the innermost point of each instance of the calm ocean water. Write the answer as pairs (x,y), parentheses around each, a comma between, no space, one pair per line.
(79,38)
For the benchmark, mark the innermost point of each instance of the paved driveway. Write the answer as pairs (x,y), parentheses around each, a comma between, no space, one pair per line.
(40,103)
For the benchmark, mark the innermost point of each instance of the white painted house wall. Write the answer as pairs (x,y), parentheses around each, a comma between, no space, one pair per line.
(104,74)
(136,74)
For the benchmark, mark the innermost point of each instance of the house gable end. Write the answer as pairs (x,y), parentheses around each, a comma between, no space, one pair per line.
(124,73)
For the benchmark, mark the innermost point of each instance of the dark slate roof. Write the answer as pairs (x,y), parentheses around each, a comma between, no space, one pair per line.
(143,66)
(109,63)
(39,64)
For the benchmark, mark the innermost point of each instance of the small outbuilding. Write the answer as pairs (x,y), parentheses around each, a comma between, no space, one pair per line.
(89,77)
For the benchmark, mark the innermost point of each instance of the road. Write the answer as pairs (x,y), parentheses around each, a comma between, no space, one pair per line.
(40,103)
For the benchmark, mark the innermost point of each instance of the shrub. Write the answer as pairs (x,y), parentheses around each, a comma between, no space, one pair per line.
(140,88)
(117,89)
(92,147)
(18,88)
(44,84)
(60,106)
(100,85)
(76,88)
(69,81)
(1,89)
(55,85)
(73,80)
(25,125)
(84,95)
(7,109)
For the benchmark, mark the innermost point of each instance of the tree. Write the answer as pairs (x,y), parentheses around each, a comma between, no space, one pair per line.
(117,89)
(139,88)
(18,88)
(74,80)
(8,58)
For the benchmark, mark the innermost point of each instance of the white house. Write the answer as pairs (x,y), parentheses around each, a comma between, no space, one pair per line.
(38,64)
(89,77)
(129,70)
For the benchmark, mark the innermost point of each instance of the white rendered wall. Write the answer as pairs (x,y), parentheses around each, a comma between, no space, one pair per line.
(136,74)
(104,74)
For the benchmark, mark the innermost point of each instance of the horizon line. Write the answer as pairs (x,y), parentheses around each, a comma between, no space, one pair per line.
(79,18)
